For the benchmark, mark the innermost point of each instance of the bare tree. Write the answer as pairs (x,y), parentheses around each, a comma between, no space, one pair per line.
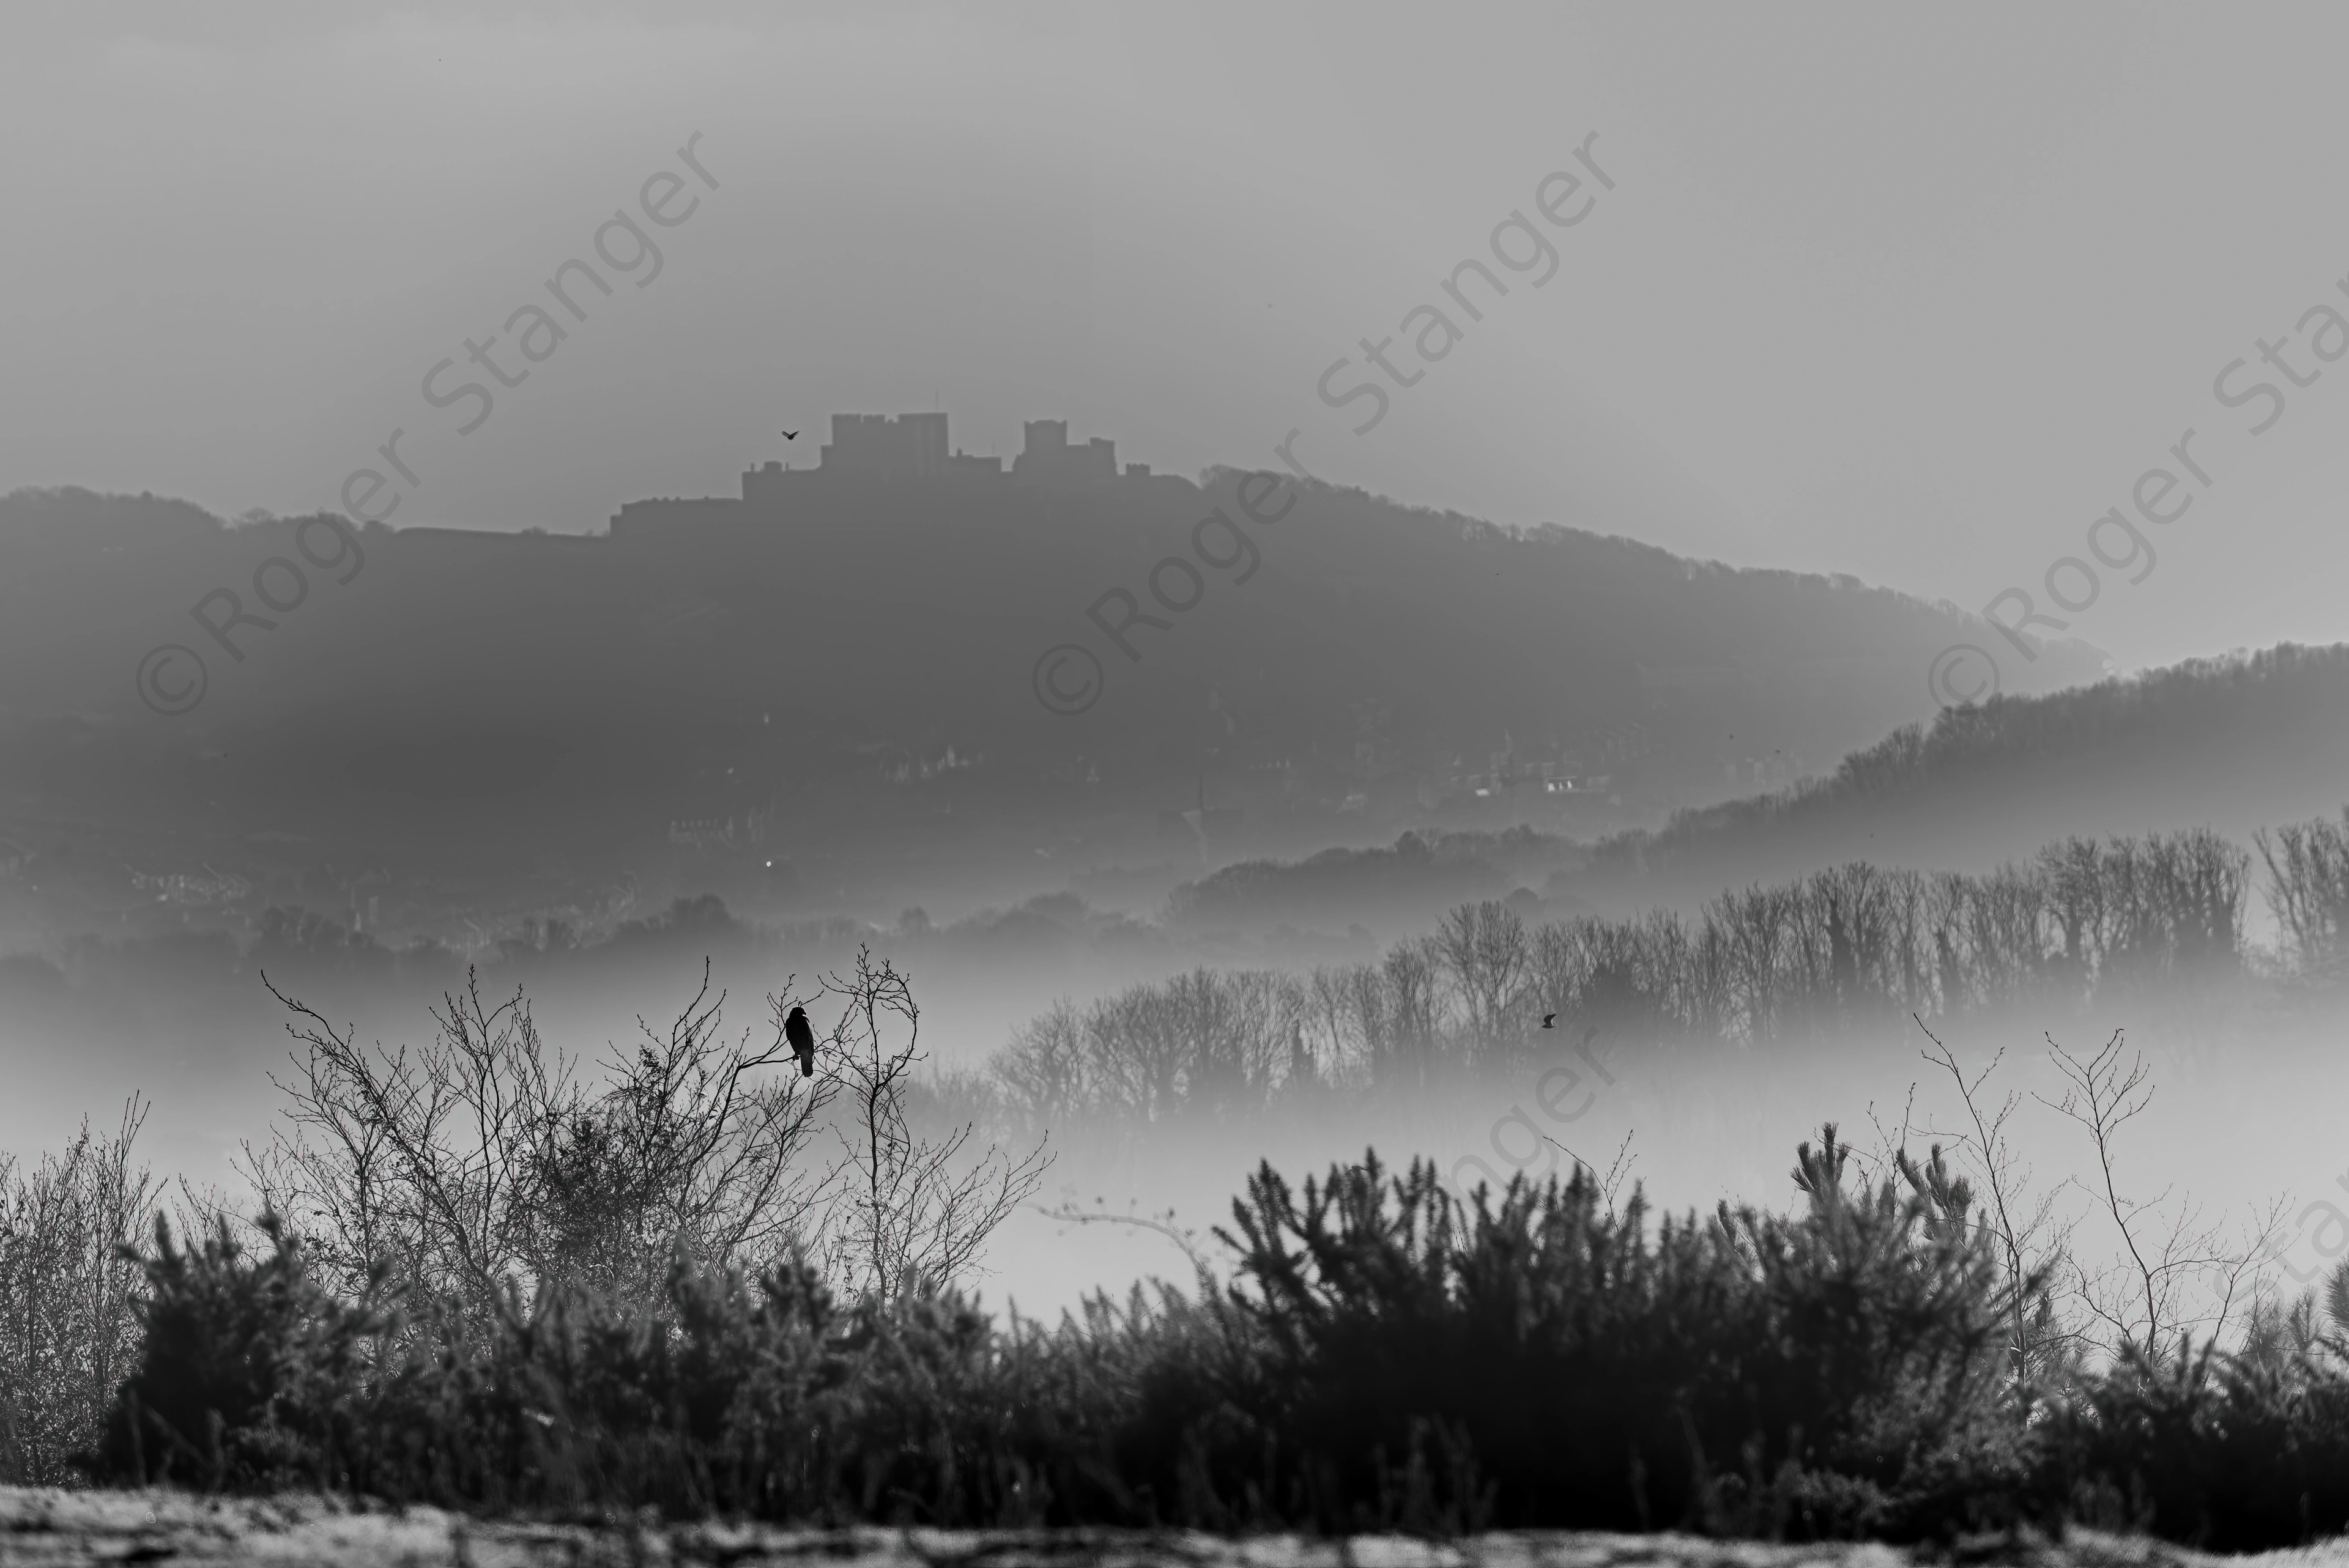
(481,1162)
(1044,1066)
(1758,926)
(1135,1051)
(2308,892)
(68,1296)
(421,1158)
(1484,948)
(2030,1240)
(1414,975)
(2171,1254)
(906,1206)
(692,1145)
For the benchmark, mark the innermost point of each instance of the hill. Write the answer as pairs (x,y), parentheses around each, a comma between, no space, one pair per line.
(2227,743)
(856,672)
(2232,744)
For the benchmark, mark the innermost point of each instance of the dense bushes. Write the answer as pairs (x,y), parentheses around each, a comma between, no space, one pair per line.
(761,1396)
(2234,1452)
(249,1373)
(1389,1358)
(414,1201)
(1832,1372)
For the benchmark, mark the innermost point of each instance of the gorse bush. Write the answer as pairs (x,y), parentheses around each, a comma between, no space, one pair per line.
(250,1374)
(1388,1357)
(1821,1373)
(761,1396)
(2234,1452)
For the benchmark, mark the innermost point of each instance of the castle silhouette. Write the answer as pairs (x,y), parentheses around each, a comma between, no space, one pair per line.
(869,449)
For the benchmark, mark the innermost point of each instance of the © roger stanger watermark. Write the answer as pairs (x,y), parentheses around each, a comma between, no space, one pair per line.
(1966,672)
(1068,678)
(2328,1239)
(172,678)
(1552,1094)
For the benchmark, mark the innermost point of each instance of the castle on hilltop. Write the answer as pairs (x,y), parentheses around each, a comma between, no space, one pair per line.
(873,450)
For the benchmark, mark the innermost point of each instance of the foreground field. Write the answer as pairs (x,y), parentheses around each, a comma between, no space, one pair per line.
(42,1527)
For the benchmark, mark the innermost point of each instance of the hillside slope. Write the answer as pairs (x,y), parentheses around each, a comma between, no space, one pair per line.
(527,688)
(2229,743)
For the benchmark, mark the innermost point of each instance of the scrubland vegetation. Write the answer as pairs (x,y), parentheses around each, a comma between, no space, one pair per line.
(481,1273)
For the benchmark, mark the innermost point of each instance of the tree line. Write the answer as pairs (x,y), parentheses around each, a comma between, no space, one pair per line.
(1847,952)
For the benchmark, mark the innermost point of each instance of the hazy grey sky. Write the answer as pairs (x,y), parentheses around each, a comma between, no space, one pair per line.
(1911,293)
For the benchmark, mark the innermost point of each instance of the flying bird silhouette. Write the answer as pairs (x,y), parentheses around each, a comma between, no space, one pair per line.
(790,435)
(1549,1020)
(802,1039)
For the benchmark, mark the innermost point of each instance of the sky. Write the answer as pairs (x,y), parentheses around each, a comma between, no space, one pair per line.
(1911,293)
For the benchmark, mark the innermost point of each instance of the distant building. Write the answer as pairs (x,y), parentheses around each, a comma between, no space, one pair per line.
(909,446)
(1048,459)
(902,449)
(962,465)
(765,488)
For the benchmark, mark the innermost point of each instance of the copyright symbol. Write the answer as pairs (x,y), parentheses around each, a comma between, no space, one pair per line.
(1951,679)
(170,693)
(1066,697)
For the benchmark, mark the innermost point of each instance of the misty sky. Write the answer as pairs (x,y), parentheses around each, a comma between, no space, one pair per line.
(1912,293)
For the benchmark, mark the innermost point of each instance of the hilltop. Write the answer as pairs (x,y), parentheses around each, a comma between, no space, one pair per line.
(839,678)
(938,596)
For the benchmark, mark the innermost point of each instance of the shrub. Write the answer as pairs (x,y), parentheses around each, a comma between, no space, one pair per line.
(69,1298)
(1836,1364)
(250,1375)
(1392,1358)
(2241,1452)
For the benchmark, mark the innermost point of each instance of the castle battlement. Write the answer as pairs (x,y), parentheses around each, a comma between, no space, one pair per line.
(892,449)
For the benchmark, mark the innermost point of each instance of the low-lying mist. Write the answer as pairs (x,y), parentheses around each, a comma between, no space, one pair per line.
(1685,1053)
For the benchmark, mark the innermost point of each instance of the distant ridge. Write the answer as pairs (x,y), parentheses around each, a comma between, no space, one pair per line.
(1358,654)
(2232,742)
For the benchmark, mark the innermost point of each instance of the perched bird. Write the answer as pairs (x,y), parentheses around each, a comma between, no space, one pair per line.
(802,1039)
(1549,1020)
(790,435)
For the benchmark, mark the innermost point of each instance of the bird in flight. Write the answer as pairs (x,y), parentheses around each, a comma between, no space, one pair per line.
(790,435)
(802,1039)
(1549,1020)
